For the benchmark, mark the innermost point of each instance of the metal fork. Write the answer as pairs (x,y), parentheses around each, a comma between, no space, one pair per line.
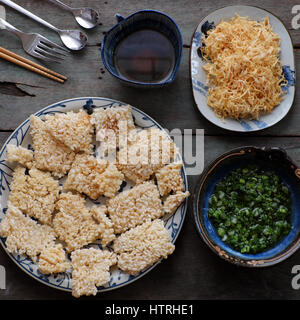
(36,45)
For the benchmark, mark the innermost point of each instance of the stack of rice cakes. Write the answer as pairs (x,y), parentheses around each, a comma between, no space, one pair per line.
(51,222)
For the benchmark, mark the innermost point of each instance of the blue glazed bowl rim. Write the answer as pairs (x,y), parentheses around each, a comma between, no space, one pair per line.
(292,247)
(145,84)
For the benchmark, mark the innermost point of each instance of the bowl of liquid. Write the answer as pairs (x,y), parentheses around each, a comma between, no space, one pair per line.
(143,49)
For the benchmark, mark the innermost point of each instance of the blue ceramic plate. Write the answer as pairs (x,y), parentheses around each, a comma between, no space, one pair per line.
(273,159)
(198,75)
(21,136)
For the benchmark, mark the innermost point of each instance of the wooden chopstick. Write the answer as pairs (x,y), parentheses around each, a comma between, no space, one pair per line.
(30,65)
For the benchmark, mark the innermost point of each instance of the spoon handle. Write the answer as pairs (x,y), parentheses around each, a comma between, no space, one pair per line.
(10,27)
(28,14)
(61,5)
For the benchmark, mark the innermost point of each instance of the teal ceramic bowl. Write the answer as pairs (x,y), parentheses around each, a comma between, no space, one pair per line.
(272,159)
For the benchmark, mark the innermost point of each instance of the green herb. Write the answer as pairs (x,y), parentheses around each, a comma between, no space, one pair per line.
(251,209)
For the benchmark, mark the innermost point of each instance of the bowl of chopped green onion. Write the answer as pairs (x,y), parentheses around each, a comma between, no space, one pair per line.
(246,206)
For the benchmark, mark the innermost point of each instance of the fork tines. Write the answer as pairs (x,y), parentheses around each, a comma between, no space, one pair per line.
(48,50)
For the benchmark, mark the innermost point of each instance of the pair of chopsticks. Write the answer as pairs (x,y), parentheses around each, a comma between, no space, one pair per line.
(30,65)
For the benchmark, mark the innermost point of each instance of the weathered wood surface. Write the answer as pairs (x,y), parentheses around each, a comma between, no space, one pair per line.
(193,271)
(22,92)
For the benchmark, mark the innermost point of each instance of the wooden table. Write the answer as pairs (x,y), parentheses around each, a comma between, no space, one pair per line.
(193,271)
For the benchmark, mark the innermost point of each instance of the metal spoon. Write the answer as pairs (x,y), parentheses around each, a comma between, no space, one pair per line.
(86,17)
(72,39)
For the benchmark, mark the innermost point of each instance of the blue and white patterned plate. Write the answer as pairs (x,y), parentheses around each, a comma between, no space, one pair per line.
(21,136)
(198,75)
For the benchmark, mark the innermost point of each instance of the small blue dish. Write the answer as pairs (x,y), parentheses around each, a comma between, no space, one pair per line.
(273,159)
(145,19)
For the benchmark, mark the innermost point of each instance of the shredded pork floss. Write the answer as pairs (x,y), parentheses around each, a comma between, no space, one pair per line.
(243,69)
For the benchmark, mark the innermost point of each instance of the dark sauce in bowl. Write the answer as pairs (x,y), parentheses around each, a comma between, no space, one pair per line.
(145,56)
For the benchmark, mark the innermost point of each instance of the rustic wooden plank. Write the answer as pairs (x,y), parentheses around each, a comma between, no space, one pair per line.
(187,13)
(172,106)
(193,271)
(22,92)
(3,137)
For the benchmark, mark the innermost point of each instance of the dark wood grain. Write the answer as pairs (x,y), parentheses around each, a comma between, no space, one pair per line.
(23,92)
(193,271)
(172,106)
(187,13)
